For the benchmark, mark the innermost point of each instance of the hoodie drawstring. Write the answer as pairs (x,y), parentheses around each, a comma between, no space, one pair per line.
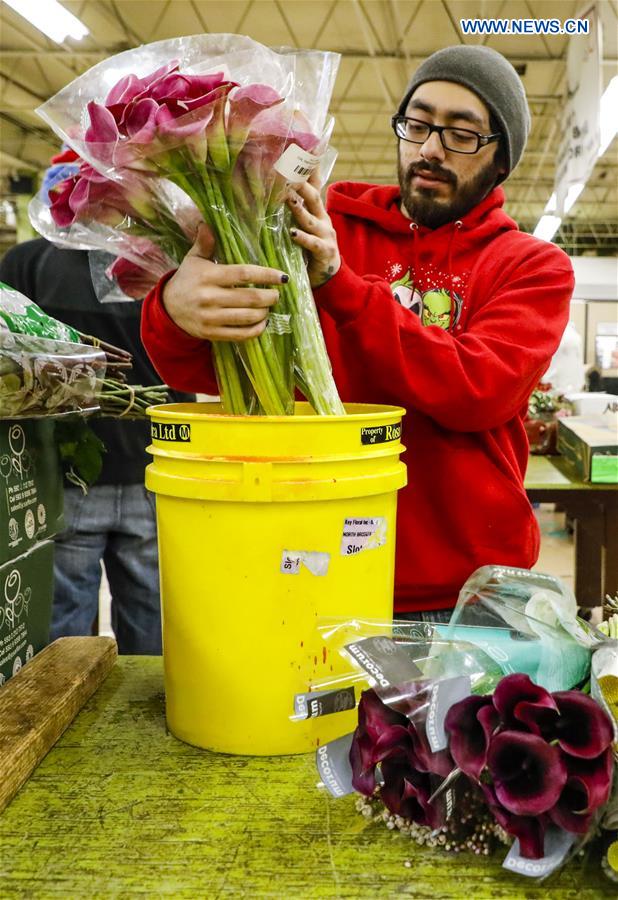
(414,230)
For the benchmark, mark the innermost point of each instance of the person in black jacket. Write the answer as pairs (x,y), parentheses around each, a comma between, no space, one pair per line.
(115,521)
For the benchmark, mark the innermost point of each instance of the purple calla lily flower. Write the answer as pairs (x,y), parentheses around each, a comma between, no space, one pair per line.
(587,788)
(528,774)
(424,759)
(59,199)
(130,87)
(470,725)
(530,830)
(406,793)
(245,104)
(381,732)
(519,700)
(135,281)
(583,728)
(102,132)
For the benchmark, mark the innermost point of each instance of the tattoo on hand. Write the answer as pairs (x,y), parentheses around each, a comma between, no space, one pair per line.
(326,275)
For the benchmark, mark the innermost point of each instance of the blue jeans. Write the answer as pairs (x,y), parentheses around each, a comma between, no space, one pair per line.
(116,524)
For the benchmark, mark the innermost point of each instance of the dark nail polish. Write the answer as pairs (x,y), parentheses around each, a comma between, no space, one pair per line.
(293,232)
(285,279)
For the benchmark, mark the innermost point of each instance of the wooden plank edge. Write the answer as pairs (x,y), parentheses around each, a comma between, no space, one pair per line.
(75,667)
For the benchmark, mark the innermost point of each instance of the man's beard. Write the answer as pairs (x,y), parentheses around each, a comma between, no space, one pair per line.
(425,208)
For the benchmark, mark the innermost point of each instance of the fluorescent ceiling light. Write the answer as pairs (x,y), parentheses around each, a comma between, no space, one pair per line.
(51,18)
(608,115)
(546,227)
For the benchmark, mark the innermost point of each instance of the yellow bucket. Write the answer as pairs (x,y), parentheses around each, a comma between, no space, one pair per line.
(267,524)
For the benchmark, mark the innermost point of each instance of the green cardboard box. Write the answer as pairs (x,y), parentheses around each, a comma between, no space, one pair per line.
(26,595)
(31,487)
(591,444)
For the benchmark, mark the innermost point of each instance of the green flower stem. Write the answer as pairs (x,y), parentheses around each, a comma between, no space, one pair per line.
(258,355)
(313,371)
(233,393)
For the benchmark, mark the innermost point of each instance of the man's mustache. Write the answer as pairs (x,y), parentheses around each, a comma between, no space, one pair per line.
(430,168)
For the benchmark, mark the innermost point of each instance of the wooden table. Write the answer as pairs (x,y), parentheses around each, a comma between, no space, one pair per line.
(594,511)
(120,808)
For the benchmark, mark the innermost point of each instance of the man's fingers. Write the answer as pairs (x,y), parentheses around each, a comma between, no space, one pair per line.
(312,198)
(204,244)
(238,298)
(307,220)
(237,318)
(229,276)
(309,241)
(225,333)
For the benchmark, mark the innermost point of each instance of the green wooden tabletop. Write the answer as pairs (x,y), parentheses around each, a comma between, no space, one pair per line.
(555,472)
(120,808)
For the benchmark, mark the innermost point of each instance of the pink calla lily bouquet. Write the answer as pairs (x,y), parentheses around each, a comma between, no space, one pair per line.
(211,128)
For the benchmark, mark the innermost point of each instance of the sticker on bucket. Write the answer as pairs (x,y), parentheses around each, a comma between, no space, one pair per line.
(170,431)
(362,534)
(380,434)
(315,561)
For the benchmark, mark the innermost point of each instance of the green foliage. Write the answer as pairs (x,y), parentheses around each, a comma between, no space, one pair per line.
(81,451)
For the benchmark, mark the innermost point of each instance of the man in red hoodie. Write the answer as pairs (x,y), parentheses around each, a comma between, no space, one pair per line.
(430,298)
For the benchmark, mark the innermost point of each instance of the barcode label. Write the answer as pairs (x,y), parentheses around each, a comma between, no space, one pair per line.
(296,164)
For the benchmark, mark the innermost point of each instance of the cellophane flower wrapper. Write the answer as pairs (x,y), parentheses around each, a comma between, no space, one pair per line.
(444,729)
(527,622)
(45,377)
(212,114)
(144,238)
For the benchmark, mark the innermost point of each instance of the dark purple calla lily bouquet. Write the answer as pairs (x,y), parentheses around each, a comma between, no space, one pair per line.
(456,748)
(210,128)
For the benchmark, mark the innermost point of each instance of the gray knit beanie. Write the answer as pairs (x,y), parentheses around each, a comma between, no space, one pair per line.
(492,78)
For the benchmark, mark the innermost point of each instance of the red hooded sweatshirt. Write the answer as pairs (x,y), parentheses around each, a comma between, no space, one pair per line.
(456,324)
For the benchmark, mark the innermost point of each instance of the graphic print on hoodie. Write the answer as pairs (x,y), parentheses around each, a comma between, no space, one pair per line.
(484,309)
(433,307)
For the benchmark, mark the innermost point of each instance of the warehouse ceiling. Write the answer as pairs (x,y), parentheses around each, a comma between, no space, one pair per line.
(381,42)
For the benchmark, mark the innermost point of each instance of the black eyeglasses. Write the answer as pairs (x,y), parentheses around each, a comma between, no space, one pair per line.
(459,140)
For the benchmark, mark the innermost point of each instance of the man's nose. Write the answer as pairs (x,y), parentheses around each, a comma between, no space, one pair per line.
(432,148)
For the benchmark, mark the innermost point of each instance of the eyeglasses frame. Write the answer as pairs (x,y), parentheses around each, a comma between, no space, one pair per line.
(483,139)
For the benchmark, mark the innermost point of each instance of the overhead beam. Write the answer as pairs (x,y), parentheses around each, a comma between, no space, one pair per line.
(387,55)
(12,162)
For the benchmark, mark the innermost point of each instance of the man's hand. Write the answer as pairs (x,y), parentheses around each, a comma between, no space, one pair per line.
(315,232)
(214,302)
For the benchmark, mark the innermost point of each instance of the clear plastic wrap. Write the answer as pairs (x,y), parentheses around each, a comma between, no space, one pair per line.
(456,743)
(230,123)
(527,622)
(45,377)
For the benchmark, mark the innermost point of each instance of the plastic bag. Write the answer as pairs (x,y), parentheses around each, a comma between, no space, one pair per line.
(21,315)
(44,377)
(230,123)
(527,622)
(440,722)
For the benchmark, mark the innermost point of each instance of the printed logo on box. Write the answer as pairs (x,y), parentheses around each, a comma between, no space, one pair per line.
(169,431)
(381,434)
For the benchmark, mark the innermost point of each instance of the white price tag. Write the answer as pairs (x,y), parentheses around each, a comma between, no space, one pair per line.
(296,164)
